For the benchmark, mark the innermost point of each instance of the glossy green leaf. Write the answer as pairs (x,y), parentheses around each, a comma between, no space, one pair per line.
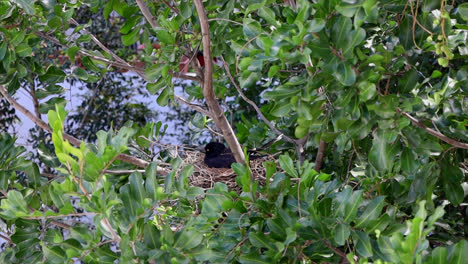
(26,5)
(371,212)
(383,151)
(188,239)
(132,37)
(363,245)
(251,28)
(53,75)
(268,14)
(345,74)
(409,162)
(463,11)
(342,233)
(287,164)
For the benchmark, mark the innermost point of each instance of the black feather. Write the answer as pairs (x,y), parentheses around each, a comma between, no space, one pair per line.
(218,156)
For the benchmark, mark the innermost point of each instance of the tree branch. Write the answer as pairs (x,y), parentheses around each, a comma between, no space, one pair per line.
(320,155)
(257,109)
(127,66)
(431,131)
(208,91)
(149,17)
(123,157)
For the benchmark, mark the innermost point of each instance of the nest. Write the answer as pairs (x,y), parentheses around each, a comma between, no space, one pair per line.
(206,177)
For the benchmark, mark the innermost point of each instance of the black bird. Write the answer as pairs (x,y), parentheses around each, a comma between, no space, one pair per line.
(218,156)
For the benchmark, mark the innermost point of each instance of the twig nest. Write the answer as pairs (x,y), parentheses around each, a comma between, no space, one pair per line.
(206,177)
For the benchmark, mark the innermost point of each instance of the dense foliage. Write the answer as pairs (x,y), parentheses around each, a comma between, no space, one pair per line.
(367,100)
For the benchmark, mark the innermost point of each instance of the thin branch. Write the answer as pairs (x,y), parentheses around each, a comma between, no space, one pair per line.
(149,17)
(431,131)
(257,109)
(123,157)
(99,43)
(320,155)
(337,251)
(7,239)
(208,91)
(193,106)
(94,57)
(115,236)
(35,101)
(60,224)
(174,9)
(137,70)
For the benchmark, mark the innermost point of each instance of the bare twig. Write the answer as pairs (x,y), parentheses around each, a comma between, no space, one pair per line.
(208,91)
(431,131)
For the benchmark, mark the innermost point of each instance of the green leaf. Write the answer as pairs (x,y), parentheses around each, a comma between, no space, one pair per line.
(260,240)
(463,11)
(154,72)
(50,104)
(459,255)
(27,5)
(165,37)
(188,239)
(132,37)
(439,255)
(268,14)
(352,206)
(371,212)
(3,49)
(55,22)
(254,258)
(367,91)
(342,232)
(287,164)
(54,254)
(363,245)
(408,82)
(151,182)
(383,151)
(81,74)
(345,74)
(163,98)
(251,28)
(34,176)
(53,75)
(185,10)
(409,162)
(23,50)
(14,206)
(314,25)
